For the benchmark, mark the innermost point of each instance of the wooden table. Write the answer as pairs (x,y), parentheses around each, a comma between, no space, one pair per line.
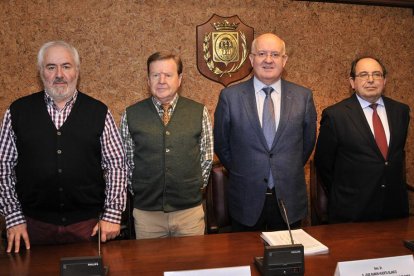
(153,257)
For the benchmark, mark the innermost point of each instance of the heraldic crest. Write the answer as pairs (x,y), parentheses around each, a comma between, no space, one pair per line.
(223,45)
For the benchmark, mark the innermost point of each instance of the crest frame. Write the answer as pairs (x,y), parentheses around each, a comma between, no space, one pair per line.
(223,46)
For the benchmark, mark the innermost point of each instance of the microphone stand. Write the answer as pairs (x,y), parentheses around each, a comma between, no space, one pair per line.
(282,259)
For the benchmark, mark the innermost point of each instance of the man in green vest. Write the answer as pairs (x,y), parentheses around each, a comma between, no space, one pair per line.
(169,145)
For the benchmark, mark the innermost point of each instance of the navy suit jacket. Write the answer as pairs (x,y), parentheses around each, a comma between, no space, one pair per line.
(362,185)
(241,147)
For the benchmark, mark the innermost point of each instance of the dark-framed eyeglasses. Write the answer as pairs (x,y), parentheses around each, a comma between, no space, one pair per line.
(375,75)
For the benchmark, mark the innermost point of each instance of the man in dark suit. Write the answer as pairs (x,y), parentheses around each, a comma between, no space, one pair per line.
(360,150)
(264,139)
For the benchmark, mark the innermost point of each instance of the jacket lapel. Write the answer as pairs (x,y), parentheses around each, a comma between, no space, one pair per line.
(358,119)
(393,123)
(248,98)
(285,109)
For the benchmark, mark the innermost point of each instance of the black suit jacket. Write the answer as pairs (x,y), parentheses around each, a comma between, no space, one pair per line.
(362,185)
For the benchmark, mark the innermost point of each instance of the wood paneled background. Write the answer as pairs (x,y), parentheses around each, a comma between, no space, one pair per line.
(114,39)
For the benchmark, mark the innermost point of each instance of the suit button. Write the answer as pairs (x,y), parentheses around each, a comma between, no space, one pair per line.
(167,133)
(265,180)
(383,186)
(63,219)
(167,150)
(271,155)
(386,163)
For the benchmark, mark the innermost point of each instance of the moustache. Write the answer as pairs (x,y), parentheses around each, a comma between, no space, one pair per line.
(59,80)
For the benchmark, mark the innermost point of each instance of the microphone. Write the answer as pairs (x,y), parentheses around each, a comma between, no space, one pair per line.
(286,218)
(99,237)
(89,265)
(282,259)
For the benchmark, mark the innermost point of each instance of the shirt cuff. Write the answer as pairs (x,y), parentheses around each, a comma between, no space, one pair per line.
(112,216)
(14,219)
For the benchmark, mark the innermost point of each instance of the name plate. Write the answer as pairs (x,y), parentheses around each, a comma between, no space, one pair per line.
(224,271)
(395,266)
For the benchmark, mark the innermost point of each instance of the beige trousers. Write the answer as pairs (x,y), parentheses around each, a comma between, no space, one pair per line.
(158,224)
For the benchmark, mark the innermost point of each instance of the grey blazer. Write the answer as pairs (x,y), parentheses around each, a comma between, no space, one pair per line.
(242,149)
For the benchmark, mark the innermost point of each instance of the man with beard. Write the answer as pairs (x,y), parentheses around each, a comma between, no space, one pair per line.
(62,165)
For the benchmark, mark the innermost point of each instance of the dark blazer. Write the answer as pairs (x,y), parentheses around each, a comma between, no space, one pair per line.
(362,185)
(242,148)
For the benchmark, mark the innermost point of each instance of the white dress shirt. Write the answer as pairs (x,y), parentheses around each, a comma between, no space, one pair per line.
(381,113)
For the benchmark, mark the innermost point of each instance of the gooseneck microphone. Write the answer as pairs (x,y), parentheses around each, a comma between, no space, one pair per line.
(89,265)
(99,237)
(282,259)
(286,218)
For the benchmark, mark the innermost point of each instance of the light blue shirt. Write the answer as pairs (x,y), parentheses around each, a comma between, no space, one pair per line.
(261,95)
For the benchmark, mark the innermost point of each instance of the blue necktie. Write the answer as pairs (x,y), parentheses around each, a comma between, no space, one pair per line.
(268,118)
(269,125)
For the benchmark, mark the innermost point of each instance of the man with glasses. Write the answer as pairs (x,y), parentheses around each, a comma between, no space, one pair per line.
(265,131)
(360,150)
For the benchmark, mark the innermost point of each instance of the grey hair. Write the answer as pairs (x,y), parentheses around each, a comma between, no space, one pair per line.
(47,45)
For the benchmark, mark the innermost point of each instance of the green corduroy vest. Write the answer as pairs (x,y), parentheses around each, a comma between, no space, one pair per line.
(167,175)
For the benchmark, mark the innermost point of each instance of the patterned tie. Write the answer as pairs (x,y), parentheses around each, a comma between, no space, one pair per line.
(269,125)
(268,118)
(379,132)
(166,114)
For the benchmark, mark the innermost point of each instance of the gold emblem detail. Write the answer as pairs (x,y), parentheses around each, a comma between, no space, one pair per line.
(225,48)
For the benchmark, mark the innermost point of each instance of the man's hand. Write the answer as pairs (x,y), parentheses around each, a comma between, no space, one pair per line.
(14,236)
(109,230)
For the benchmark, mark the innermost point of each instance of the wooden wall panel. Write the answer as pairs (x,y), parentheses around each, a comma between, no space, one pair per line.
(115,38)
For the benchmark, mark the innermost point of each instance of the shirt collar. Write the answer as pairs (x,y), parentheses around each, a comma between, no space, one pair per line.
(158,104)
(258,85)
(49,100)
(365,103)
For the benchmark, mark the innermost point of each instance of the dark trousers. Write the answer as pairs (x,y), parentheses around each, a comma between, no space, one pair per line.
(46,233)
(270,219)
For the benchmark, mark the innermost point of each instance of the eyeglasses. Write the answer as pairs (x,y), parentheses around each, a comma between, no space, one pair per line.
(366,75)
(263,55)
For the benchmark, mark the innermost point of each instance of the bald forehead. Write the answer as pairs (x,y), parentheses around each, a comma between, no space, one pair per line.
(367,64)
(267,41)
(58,55)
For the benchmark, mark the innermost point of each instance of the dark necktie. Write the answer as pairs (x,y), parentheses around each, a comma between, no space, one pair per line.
(268,118)
(166,114)
(379,132)
(269,125)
